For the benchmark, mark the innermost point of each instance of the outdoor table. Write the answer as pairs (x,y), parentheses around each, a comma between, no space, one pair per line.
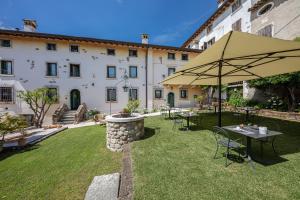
(248,109)
(251,133)
(187,116)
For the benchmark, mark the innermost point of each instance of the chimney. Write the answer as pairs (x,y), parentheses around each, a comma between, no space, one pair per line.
(29,25)
(145,38)
(220,3)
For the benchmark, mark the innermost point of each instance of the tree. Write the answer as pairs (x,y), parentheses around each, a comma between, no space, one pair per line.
(289,82)
(10,123)
(39,101)
(132,105)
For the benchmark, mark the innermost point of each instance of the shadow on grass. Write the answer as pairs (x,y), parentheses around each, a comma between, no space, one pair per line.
(149,132)
(7,152)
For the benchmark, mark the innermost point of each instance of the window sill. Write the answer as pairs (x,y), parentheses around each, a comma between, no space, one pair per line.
(7,75)
(111,101)
(8,102)
(107,78)
(75,77)
(51,77)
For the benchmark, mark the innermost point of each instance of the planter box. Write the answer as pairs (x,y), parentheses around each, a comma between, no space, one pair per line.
(280,115)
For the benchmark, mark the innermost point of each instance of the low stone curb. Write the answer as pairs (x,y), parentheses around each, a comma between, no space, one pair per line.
(126,186)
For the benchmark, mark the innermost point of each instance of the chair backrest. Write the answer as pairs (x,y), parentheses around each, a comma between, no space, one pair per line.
(220,133)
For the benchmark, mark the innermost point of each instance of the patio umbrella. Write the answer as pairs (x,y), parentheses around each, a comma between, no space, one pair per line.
(237,57)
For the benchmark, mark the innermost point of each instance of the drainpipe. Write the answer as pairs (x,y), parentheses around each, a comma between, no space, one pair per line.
(146,71)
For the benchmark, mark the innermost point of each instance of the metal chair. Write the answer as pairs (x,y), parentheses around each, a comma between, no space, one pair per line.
(177,120)
(164,113)
(223,140)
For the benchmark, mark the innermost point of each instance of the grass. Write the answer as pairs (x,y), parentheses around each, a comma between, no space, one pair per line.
(61,167)
(179,165)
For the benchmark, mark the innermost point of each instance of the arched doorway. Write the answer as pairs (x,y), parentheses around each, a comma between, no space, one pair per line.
(74,99)
(171,99)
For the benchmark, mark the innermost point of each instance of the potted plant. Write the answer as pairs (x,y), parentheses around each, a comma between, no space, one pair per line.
(125,113)
(9,124)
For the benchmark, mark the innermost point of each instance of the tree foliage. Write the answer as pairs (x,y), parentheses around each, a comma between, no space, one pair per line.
(133,105)
(9,123)
(39,101)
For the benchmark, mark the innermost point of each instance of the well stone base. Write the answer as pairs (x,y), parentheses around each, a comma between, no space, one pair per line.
(120,131)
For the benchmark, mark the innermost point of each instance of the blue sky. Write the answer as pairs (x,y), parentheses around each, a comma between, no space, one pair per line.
(169,22)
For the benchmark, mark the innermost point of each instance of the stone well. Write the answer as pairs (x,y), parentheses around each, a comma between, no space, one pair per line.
(121,130)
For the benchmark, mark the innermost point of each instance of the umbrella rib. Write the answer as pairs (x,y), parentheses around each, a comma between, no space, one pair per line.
(225,47)
(212,67)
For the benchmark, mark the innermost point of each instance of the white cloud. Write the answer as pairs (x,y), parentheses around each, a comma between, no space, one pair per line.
(174,33)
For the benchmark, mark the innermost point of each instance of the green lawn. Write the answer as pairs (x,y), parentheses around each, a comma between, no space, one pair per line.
(61,167)
(179,165)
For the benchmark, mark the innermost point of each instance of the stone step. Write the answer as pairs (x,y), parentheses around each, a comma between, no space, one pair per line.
(68,116)
(104,187)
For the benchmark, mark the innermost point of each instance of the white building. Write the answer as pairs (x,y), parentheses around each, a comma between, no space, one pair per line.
(230,15)
(85,70)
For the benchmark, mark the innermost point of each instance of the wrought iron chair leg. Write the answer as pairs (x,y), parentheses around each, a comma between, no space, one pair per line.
(261,149)
(273,146)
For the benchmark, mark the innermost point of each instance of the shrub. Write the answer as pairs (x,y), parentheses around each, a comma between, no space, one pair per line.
(236,99)
(133,105)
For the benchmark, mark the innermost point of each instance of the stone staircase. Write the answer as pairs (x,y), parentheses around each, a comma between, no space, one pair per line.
(68,117)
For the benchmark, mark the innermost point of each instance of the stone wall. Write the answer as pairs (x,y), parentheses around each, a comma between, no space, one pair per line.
(120,133)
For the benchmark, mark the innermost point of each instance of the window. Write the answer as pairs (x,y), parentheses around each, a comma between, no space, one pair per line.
(6,94)
(6,67)
(183,94)
(266,31)
(74,70)
(158,93)
(133,53)
(237,26)
(133,94)
(5,43)
(53,93)
(111,72)
(266,8)
(171,56)
(210,42)
(236,5)
(111,94)
(111,52)
(132,72)
(209,29)
(184,56)
(74,48)
(171,70)
(51,47)
(51,69)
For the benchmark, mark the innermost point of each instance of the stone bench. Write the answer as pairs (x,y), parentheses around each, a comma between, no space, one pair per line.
(104,187)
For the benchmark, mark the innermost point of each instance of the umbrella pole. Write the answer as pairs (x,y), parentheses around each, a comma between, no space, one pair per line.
(220,94)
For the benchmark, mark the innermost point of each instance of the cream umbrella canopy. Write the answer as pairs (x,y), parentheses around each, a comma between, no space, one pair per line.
(237,57)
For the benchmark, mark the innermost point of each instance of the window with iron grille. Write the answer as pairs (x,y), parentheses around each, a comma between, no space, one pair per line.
(158,93)
(133,94)
(237,26)
(171,70)
(111,72)
(111,94)
(266,31)
(209,29)
(6,94)
(6,67)
(111,52)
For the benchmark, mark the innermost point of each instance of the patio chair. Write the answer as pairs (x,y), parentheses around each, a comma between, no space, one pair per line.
(223,140)
(164,113)
(177,121)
